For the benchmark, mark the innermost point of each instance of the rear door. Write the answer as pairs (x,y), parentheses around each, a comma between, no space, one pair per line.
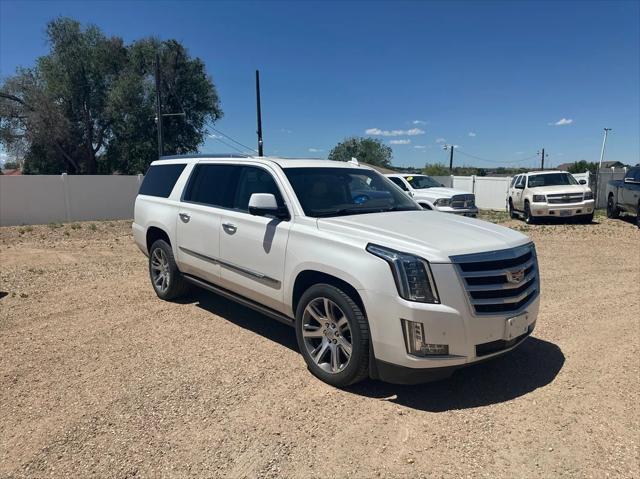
(209,190)
(630,191)
(252,248)
(518,192)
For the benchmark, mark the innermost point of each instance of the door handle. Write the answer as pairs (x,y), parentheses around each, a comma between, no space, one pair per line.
(229,228)
(185,217)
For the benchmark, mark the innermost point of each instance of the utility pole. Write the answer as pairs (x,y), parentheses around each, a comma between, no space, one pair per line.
(450,148)
(159,108)
(259,112)
(543,156)
(604,143)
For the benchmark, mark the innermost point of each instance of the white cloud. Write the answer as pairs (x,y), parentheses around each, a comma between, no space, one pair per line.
(420,147)
(379,132)
(285,130)
(472,134)
(399,142)
(562,121)
(419,122)
(315,150)
(440,140)
(519,152)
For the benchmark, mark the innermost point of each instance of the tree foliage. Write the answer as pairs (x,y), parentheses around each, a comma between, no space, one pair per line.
(436,169)
(583,166)
(366,150)
(88,106)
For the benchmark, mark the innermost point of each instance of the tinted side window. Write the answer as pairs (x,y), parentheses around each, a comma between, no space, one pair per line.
(398,182)
(521,180)
(160,180)
(255,180)
(513,181)
(212,185)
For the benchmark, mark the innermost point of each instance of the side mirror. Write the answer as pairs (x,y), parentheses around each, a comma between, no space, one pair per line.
(583,182)
(264,204)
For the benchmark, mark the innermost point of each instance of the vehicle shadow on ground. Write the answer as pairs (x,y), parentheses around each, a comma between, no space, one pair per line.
(532,365)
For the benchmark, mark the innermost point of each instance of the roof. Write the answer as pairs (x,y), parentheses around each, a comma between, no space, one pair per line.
(545,172)
(282,162)
(14,172)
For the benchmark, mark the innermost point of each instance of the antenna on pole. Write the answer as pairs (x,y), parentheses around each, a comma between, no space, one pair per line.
(259,113)
(159,108)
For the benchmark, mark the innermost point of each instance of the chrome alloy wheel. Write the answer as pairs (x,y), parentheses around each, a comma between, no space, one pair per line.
(160,274)
(327,335)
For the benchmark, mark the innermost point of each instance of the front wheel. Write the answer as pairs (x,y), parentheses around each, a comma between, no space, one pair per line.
(528,217)
(333,335)
(612,209)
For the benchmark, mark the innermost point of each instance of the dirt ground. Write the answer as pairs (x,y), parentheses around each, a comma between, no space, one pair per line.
(100,378)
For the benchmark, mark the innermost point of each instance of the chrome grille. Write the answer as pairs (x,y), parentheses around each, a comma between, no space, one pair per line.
(562,198)
(500,282)
(463,201)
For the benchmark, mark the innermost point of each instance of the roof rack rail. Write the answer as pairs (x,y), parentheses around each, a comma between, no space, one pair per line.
(204,155)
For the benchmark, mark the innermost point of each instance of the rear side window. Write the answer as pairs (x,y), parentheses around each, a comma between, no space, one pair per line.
(212,185)
(160,180)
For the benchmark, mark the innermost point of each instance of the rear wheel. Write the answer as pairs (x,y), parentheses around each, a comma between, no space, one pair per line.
(528,217)
(166,279)
(333,335)
(638,215)
(612,208)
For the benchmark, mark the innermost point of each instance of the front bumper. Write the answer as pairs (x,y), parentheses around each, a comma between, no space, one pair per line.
(458,211)
(566,210)
(470,338)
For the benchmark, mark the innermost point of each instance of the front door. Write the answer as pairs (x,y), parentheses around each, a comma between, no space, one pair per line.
(252,248)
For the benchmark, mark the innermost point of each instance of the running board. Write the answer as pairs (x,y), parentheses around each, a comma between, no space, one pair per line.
(239,299)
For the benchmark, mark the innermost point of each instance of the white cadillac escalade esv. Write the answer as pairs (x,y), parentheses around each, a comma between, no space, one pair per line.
(374,285)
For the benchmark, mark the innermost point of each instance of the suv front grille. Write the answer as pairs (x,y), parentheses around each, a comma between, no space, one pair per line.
(563,198)
(463,201)
(499,282)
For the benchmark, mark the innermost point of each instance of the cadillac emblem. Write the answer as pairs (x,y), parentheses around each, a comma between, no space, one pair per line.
(515,276)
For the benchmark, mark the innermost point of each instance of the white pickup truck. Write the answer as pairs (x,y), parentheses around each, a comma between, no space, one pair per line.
(374,285)
(432,195)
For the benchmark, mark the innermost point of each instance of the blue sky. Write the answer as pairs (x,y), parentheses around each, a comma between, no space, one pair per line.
(498,79)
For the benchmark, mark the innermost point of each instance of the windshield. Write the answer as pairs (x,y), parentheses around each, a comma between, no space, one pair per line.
(422,182)
(346,191)
(551,179)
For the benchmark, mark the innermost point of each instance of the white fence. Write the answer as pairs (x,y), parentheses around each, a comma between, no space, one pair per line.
(51,198)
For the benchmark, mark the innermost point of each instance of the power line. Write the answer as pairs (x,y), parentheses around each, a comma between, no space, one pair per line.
(460,152)
(235,141)
(228,144)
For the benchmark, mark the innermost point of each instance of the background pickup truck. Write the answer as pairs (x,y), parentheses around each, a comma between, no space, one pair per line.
(624,195)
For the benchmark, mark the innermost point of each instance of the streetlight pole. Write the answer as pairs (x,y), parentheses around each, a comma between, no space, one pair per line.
(604,143)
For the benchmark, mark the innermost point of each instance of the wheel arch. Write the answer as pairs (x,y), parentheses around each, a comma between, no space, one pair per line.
(309,277)
(155,233)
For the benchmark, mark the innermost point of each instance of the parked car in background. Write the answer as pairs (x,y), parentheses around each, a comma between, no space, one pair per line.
(624,195)
(375,287)
(550,194)
(433,195)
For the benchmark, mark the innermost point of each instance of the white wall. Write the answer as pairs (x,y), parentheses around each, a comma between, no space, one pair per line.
(41,199)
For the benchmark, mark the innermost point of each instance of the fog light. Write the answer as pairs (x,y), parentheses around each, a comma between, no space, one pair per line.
(415,340)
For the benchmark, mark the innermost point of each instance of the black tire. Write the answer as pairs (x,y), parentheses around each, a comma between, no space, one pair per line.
(176,285)
(586,219)
(528,217)
(512,212)
(357,365)
(612,209)
(638,215)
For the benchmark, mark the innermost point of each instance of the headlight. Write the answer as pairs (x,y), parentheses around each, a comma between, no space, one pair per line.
(588,195)
(412,274)
(442,202)
(539,199)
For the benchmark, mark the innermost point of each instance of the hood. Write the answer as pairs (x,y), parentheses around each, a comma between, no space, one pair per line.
(547,190)
(432,235)
(440,192)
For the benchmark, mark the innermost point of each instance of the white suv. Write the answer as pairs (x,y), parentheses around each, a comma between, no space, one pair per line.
(432,195)
(374,285)
(550,194)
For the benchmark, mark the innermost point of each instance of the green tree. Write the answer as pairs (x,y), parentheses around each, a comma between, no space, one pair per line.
(88,106)
(366,150)
(435,169)
(582,166)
